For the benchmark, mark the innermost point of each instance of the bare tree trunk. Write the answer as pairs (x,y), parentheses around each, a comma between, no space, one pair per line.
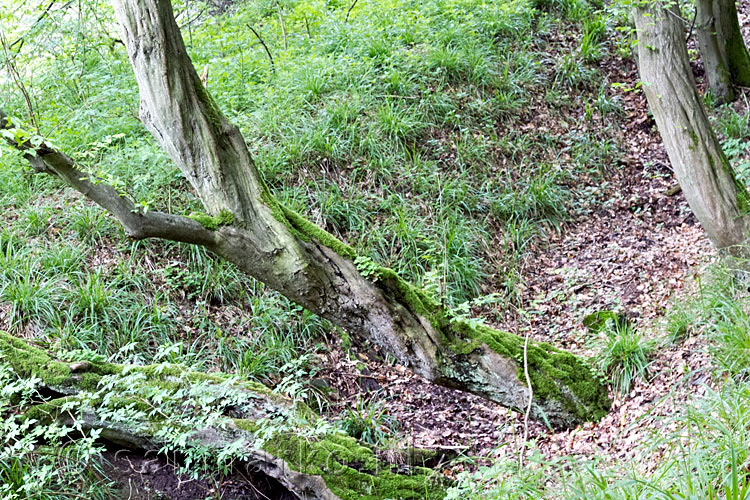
(719,79)
(302,261)
(718,199)
(731,42)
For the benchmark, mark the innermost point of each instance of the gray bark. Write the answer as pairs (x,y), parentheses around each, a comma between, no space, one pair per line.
(719,79)
(300,260)
(731,43)
(715,196)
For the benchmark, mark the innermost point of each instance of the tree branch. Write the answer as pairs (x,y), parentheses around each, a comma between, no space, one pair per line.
(137,223)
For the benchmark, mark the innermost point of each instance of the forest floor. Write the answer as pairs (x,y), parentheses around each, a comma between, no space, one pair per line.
(634,249)
(632,255)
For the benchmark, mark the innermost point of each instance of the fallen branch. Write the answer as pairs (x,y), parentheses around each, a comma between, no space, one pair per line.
(224,420)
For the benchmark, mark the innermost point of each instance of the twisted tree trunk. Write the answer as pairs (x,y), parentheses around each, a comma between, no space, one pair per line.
(719,79)
(251,229)
(716,197)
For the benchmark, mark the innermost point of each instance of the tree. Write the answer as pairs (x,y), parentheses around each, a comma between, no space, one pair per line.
(731,43)
(246,225)
(716,197)
(714,60)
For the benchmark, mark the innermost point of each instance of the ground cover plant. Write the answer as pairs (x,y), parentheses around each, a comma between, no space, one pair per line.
(450,140)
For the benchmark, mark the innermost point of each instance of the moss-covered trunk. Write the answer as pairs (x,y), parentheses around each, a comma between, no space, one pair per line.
(731,43)
(214,420)
(718,199)
(300,260)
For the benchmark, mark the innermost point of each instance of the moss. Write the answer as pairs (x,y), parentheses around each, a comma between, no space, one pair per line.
(552,371)
(225,218)
(47,412)
(212,110)
(694,138)
(596,322)
(309,230)
(417,300)
(27,361)
(351,470)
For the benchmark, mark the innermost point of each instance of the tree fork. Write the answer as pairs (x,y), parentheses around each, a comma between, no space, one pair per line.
(308,265)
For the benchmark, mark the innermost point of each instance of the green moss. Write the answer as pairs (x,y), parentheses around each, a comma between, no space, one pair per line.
(351,470)
(47,412)
(27,361)
(225,218)
(309,230)
(555,374)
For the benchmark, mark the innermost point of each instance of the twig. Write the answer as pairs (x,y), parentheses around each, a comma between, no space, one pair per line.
(307,28)
(17,80)
(350,10)
(531,393)
(281,21)
(39,19)
(268,52)
(692,25)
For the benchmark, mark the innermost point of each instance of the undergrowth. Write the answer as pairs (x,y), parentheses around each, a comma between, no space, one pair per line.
(441,138)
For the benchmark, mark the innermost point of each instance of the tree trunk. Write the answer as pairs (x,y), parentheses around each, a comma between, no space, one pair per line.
(716,197)
(304,262)
(731,42)
(719,79)
(166,408)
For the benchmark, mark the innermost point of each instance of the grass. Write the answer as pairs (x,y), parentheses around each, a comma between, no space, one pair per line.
(623,352)
(370,423)
(410,131)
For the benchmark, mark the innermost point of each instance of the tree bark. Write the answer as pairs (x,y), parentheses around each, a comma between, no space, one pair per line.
(129,405)
(719,79)
(731,42)
(716,197)
(302,261)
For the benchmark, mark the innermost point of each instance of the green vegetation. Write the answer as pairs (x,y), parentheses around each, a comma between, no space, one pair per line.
(707,440)
(623,351)
(438,140)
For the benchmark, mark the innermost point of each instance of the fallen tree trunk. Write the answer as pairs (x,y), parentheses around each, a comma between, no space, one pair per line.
(251,229)
(213,418)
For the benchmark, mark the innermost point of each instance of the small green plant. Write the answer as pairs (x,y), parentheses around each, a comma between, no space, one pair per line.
(89,224)
(594,30)
(369,422)
(624,354)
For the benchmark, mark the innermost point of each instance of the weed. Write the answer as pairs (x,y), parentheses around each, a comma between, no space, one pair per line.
(624,353)
(369,422)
